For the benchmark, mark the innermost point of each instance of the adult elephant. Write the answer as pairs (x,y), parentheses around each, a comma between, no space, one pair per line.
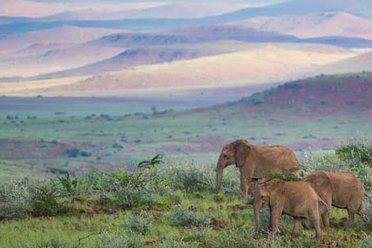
(341,190)
(255,162)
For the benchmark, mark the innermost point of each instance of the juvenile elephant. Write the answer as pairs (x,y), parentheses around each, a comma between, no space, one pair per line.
(341,190)
(255,162)
(294,198)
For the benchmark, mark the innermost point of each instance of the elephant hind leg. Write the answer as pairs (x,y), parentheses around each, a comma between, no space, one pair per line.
(325,219)
(297,222)
(350,221)
(314,218)
(362,212)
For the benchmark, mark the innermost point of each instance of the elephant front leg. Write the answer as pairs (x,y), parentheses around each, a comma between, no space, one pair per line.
(275,214)
(244,184)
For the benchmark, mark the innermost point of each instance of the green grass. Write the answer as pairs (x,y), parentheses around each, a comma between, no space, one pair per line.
(115,139)
(228,216)
(173,215)
(98,211)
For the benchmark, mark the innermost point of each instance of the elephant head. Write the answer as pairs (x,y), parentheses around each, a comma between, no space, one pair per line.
(261,197)
(236,153)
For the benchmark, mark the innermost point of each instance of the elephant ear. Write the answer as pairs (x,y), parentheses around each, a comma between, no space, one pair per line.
(242,149)
(320,180)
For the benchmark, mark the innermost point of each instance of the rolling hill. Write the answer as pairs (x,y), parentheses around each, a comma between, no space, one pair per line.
(329,94)
(190,10)
(298,7)
(133,57)
(61,35)
(362,62)
(295,7)
(263,65)
(56,59)
(313,25)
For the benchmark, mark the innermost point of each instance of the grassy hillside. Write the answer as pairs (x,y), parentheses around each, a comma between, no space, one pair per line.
(73,135)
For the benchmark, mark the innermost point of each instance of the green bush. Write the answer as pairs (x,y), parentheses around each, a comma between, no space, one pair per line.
(365,242)
(236,238)
(68,184)
(46,200)
(326,161)
(47,244)
(185,217)
(192,179)
(115,240)
(178,244)
(15,199)
(128,179)
(128,198)
(37,198)
(357,151)
(139,223)
(198,237)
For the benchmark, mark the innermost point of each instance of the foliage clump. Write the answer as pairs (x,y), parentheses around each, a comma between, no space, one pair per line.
(185,217)
(358,151)
(26,198)
(139,223)
(237,238)
(117,240)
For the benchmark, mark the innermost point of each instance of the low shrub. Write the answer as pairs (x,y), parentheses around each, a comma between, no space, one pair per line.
(194,177)
(357,151)
(15,199)
(199,237)
(46,200)
(37,198)
(236,238)
(185,217)
(47,244)
(326,161)
(365,242)
(116,240)
(69,184)
(178,244)
(139,223)
(128,198)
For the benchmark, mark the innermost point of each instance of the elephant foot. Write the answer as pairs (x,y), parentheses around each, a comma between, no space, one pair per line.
(295,235)
(317,238)
(276,232)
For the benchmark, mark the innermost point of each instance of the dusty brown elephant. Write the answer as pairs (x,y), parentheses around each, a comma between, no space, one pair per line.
(341,190)
(294,198)
(255,162)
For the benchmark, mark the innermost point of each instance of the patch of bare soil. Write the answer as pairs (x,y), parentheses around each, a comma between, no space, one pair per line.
(18,149)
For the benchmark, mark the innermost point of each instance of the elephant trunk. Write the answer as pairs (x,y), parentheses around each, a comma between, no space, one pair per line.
(219,175)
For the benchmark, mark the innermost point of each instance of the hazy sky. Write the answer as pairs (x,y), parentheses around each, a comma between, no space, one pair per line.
(178,1)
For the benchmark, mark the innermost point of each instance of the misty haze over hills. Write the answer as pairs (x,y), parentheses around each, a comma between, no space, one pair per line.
(96,48)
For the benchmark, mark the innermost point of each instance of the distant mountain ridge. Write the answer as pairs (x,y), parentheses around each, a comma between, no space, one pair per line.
(332,94)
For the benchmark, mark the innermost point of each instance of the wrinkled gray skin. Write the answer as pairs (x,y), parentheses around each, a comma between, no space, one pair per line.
(294,198)
(255,162)
(341,190)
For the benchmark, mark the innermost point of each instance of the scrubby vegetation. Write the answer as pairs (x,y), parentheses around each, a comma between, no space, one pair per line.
(165,203)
